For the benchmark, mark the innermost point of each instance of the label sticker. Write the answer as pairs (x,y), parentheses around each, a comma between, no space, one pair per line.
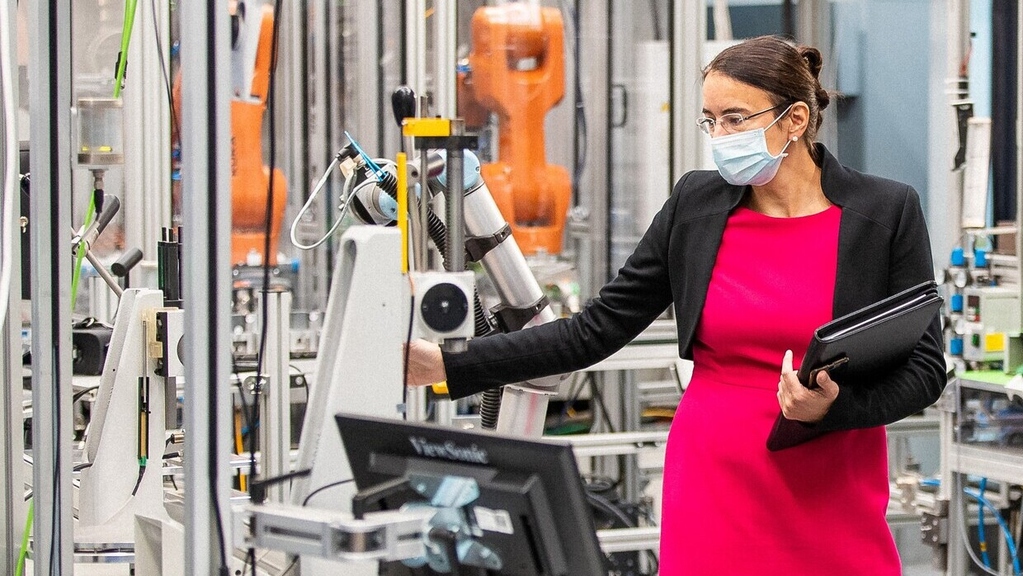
(493,520)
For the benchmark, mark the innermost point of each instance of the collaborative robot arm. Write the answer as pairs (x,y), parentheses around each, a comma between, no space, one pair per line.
(489,241)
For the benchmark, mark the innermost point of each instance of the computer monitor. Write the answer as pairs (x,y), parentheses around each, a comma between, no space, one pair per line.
(531,511)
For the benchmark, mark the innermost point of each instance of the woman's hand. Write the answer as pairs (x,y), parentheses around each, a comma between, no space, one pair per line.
(425,363)
(800,403)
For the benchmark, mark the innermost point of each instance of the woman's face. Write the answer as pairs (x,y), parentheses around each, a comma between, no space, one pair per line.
(724,95)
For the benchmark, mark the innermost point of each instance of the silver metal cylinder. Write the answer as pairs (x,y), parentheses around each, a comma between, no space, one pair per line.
(523,411)
(454,205)
(505,264)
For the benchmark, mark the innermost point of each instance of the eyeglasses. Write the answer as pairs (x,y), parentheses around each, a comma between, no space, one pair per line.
(730,123)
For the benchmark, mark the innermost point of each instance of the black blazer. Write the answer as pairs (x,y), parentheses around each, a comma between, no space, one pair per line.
(883,248)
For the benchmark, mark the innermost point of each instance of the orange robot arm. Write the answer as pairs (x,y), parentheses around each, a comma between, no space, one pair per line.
(518,71)
(250,178)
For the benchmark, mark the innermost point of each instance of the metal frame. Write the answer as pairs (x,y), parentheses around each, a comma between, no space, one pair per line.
(206,201)
(50,105)
(592,252)
(445,54)
(689,28)
(958,460)
(146,197)
(1019,148)
(275,395)
(950,36)
(12,483)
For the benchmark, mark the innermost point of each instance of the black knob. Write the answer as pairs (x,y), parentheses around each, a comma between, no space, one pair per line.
(126,262)
(403,103)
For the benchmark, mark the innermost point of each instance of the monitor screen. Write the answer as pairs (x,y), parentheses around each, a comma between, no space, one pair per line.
(529,510)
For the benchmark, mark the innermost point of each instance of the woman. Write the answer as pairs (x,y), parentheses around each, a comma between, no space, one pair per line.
(781,239)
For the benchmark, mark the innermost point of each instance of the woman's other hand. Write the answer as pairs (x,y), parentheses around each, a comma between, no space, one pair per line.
(800,403)
(425,363)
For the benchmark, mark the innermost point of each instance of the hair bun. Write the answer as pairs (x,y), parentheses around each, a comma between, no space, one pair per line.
(823,97)
(813,59)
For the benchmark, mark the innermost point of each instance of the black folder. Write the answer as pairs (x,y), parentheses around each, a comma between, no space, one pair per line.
(861,345)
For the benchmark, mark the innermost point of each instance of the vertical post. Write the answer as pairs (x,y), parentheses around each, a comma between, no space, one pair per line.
(813,27)
(689,32)
(50,106)
(368,112)
(445,17)
(455,202)
(455,211)
(957,87)
(206,195)
(1019,143)
(595,39)
(415,46)
(146,202)
(12,482)
(275,397)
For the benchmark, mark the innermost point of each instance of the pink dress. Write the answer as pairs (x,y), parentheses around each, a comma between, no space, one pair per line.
(730,506)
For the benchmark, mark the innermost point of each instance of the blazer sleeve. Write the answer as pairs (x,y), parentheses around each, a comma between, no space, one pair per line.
(919,382)
(623,308)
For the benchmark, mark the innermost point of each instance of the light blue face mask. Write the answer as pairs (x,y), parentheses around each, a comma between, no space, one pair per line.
(743,159)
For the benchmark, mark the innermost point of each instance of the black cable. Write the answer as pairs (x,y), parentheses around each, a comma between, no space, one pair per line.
(57,495)
(163,69)
(138,482)
(580,131)
(601,503)
(267,231)
(250,425)
(213,302)
(324,487)
(598,396)
(606,506)
(408,342)
(268,223)
(250,554)
(78,395)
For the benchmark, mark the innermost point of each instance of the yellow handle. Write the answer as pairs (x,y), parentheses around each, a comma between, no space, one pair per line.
(440,388)
(403,209)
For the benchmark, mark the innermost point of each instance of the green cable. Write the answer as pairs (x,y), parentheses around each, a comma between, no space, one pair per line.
(77,272)
(122,60)
(20,568)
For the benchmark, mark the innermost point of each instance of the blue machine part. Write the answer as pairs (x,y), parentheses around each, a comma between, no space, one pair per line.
(980,257)
(955,303)
(470,169)
(955,346)
(958,257)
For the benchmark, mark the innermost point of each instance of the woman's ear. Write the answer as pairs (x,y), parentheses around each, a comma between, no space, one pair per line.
(799,118)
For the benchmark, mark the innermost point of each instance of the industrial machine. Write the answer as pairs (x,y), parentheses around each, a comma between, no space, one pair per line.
(517,71)
(252,184)
(374,290)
